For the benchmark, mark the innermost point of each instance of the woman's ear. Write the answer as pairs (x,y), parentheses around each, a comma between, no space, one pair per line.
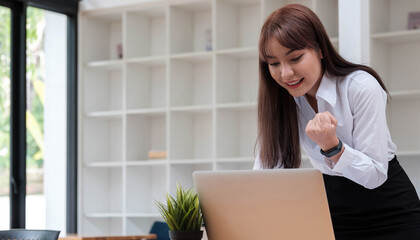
(320,54)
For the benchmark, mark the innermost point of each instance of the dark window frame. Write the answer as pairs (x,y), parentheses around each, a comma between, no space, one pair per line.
(18,107)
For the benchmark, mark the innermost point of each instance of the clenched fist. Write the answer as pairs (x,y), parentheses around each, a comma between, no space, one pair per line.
(321,130)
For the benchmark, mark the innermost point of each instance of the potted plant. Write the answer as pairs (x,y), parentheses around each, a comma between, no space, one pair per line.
(182,213)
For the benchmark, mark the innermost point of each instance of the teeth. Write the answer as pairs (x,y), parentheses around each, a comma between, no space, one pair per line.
(294,83)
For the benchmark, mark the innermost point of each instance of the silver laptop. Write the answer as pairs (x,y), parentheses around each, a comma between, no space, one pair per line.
(264,204)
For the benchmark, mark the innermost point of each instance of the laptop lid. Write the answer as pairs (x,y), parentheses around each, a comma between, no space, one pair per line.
(264,204)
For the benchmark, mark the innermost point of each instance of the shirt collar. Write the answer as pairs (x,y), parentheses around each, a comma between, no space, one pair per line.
(326,90)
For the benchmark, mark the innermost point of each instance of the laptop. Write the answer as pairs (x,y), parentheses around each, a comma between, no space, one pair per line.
(264,204)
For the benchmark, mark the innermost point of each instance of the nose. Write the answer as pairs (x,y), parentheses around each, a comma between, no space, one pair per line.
(286,72)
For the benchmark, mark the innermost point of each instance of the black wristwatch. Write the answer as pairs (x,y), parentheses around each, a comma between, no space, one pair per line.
(333,151)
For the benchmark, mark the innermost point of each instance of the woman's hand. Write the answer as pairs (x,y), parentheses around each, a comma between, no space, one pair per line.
(321,130)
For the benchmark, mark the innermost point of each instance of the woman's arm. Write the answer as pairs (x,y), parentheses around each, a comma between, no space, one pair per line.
(366,162)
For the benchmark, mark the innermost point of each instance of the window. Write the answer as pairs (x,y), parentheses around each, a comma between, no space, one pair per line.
(38,114)
(4,114)
(46,59)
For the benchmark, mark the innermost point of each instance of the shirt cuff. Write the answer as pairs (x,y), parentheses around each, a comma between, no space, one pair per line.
(330,163)
(344,161)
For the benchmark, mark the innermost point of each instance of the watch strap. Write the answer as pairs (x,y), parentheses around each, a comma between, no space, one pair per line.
(333,151)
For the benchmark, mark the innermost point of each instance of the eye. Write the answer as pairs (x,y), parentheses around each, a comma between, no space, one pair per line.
(274,64)
(296,58)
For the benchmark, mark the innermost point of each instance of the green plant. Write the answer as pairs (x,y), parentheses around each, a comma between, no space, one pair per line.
(182,212)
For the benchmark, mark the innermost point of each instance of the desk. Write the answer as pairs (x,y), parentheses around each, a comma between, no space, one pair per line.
(133,237)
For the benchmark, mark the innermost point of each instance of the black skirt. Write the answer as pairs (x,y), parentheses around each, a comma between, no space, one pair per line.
(391,211)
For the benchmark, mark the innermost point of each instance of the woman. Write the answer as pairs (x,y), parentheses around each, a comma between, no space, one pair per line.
(310,96)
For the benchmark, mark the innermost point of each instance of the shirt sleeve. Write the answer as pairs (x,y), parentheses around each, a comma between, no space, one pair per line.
(258,166)
(257,163)
(366,163)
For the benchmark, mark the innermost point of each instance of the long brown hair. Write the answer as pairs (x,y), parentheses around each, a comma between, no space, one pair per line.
(295,27)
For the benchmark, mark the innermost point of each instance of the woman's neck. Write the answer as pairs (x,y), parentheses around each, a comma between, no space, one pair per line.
(312,101)
(311,94)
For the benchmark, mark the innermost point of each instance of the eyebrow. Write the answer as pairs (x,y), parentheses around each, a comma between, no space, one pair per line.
(288,53)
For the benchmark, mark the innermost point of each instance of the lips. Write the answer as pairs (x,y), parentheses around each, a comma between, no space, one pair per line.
(294,84)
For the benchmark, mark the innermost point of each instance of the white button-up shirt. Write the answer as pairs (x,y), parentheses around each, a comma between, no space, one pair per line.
(359,103)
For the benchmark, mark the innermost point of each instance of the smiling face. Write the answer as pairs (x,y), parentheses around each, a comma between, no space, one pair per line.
(298,71)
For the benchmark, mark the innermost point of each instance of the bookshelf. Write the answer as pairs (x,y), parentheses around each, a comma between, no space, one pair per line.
(395,53)
(185,83)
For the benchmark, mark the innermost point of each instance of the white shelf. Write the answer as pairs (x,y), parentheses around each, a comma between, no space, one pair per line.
(104,215)
(193,57)
(149,61)
(395,95)
(408,153)
(240,53)
(105,114)
(104,164)
(238,106)
(143,215)
(187,109)
(191,161)
(147,111)
(236,160)
(147,162)
(106,65)
(400,37)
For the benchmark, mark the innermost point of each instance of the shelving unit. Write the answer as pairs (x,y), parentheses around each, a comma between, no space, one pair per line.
(147,132)
(106,81)
(149,37)
(190,24)
(103,138)
(185,82)
(395,53)
(236,133)
(236,74)
(150,92)
(191,81)
(191,135)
